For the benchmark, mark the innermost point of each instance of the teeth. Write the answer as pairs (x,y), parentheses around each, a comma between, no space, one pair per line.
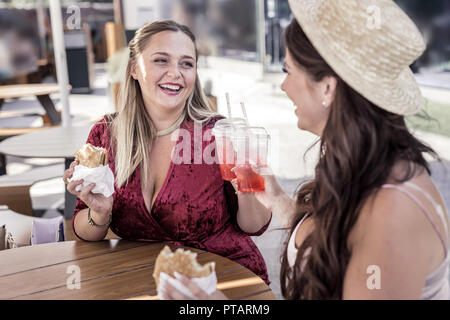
(170,87)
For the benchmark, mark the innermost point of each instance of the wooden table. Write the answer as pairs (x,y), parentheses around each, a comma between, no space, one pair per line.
(42,92)
(109,269)
(59,142)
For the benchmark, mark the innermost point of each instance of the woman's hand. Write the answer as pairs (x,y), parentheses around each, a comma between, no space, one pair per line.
(97,202)
(170,293)
(272,188)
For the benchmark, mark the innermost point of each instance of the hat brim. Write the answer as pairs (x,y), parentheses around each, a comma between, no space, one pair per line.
(401,95)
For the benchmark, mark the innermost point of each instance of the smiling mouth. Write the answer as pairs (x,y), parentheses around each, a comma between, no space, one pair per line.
(170,89)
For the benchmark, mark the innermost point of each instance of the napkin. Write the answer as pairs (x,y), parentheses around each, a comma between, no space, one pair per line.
(102,176)
(207,284)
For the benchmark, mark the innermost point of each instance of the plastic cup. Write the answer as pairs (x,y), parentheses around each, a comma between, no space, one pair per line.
(224,131)
(230,121)
(251,145)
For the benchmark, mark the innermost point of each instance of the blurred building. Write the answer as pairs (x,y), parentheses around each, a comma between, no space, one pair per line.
(226,28)
(433,20)
(19,47)
(25,31)
(249,30)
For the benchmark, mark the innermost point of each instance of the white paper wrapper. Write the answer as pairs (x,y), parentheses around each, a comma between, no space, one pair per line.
(102,176)
(207,284)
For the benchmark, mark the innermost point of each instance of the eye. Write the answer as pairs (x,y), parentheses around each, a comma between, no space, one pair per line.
(284,69)
(187,64)
(160,60)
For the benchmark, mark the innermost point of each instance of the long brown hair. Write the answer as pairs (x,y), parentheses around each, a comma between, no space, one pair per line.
(358,148)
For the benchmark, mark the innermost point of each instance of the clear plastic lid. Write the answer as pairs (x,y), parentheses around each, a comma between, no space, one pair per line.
(225,126)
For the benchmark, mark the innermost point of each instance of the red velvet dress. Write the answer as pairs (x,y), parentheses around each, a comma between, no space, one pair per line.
(195,207)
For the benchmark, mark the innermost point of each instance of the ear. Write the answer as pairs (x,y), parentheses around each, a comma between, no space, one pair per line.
(329,84)
(133,72)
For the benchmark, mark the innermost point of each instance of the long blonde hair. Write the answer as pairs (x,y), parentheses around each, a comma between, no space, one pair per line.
(133,131)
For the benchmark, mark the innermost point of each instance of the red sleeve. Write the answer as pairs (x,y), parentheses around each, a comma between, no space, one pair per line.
(98,136)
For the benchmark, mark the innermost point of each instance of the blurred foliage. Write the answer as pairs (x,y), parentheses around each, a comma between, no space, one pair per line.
(434,117)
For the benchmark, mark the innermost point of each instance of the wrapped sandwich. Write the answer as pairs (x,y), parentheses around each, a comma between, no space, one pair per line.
(91,156)
(184,262)
(93,168)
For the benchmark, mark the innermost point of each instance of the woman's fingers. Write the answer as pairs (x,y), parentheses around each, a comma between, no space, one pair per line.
(168,292)
(193,288)
(72,185)
(66,176)
(262,170)
(168,289)
(69,172)
(86,190)
(73,164)
(234,183)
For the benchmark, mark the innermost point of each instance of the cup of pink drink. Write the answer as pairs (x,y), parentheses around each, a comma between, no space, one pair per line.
(251,145)
(223,132)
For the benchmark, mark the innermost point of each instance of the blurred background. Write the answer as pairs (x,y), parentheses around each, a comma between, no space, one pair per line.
(249,30)
(241,49)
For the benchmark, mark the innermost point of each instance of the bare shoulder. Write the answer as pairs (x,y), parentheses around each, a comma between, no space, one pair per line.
(386,237)
(390,214)
(400,212)
(393,233)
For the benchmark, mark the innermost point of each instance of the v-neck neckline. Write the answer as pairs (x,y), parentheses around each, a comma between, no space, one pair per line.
(164,186)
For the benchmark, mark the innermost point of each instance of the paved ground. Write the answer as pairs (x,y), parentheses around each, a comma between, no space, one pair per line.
(266,106)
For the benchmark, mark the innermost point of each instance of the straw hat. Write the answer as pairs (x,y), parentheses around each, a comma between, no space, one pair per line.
(370,44)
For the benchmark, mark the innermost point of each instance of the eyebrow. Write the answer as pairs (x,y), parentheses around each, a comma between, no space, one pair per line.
(168,55)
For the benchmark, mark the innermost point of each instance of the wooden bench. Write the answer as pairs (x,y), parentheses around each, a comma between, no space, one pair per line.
(11,132)
(42,92)
(15,189)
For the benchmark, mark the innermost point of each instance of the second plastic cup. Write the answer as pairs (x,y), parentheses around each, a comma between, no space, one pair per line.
(251,145)
(224,131)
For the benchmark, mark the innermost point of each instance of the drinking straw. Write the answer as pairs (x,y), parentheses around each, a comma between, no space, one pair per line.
(244,112)
(228,104)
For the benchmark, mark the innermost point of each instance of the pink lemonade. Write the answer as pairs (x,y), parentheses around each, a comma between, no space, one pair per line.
(227,174)
(248,180)
(225,163)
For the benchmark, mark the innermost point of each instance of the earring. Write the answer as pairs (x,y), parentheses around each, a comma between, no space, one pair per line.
(324,104)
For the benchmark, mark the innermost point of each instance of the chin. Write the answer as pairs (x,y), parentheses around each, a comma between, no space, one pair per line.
(170,104)
(302,127)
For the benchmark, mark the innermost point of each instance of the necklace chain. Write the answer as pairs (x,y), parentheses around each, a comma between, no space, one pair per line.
(172,128)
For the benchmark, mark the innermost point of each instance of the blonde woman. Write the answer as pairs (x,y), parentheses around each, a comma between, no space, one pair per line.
(155,198)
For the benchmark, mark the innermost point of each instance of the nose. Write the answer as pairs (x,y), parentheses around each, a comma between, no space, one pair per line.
(282,86)
(173,71)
